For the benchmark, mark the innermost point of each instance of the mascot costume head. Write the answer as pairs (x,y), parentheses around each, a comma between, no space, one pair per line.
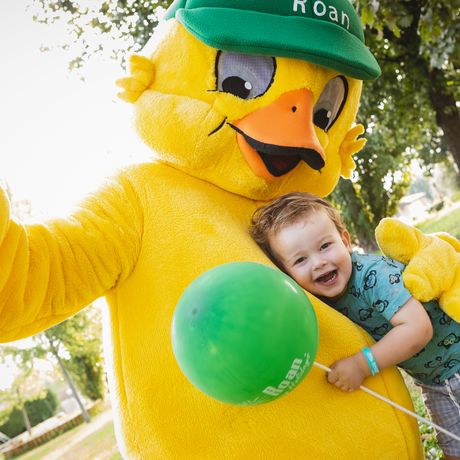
(241,101)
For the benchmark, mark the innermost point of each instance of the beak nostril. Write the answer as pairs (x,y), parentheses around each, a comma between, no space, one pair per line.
(294,108)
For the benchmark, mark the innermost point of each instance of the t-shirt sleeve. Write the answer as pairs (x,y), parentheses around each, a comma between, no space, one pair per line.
(384,289)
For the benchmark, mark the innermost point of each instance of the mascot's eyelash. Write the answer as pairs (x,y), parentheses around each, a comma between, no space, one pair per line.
(220,126)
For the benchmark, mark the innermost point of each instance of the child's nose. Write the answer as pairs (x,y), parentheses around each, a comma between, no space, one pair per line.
(318,262)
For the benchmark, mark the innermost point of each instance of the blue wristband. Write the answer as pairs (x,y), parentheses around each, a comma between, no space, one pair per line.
(371,360)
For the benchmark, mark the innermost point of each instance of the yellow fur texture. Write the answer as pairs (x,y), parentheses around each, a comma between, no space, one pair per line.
(146,234)
(433,262)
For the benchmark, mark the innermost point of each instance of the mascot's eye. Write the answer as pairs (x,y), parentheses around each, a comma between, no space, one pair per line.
(244,75)
(330,103)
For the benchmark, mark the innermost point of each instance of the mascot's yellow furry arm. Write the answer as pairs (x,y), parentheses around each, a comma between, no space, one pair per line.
(240,105)
(427,275)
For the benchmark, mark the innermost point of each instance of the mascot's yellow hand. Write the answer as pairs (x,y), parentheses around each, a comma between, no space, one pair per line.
(4,214)
(142,72)
(433,263)
(351,145)
(449,239)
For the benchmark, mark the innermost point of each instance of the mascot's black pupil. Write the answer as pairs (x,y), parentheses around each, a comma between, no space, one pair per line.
(236,86)
(321,119)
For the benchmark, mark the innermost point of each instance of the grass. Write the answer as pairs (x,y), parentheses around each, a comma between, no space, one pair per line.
(100,444)
(455,196)
(430,445)
(446,223)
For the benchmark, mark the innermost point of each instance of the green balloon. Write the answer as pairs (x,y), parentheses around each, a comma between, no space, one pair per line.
(244,333)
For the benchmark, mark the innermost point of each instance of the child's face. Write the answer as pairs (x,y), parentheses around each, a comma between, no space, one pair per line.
(315,254)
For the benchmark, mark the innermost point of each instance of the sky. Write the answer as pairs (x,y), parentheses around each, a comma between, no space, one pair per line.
(59,136)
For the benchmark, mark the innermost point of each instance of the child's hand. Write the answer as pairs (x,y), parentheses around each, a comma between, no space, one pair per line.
(347,374)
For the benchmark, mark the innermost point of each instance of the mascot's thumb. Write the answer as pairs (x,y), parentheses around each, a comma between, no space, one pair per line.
(397,240)
(419,284)
(448,239)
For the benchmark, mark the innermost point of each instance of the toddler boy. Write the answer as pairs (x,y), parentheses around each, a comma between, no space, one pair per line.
(305,237)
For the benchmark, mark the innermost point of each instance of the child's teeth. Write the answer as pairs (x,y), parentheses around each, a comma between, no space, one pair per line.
(327,277)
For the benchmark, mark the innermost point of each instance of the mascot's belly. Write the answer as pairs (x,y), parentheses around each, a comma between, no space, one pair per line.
(189,227)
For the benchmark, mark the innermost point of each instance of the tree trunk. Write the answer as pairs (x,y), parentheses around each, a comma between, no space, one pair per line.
(25,416)
(447,115)
(70,382)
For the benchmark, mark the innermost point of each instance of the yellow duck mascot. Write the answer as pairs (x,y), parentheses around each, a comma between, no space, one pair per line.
(241,101)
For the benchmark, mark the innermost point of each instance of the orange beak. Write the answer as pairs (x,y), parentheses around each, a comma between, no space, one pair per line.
(275,138)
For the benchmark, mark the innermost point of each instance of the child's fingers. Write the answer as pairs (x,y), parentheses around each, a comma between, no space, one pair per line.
(332,376)
(343,386)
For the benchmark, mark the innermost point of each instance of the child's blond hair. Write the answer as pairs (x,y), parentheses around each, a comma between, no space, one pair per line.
(287,210)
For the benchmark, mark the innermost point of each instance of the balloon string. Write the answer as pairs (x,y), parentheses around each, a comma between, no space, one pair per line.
(401,408)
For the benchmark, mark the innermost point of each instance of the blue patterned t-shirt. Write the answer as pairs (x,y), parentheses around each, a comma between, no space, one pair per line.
(375,293)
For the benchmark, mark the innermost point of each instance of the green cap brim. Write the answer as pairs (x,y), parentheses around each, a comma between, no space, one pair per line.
(311,40)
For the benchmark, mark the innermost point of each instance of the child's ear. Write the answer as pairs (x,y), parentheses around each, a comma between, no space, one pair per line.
(346,239)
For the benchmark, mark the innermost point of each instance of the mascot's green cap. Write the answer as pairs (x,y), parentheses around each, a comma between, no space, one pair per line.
(325,32)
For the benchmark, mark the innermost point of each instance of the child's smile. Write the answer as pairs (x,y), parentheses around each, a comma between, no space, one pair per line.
(315,254)
(328,278)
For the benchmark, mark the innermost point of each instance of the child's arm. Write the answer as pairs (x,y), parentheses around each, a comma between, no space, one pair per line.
(411,332)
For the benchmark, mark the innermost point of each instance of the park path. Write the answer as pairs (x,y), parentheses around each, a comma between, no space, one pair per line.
(96,423)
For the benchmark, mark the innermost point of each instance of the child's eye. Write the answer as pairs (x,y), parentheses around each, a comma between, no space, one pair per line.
(325,246)
(300,260)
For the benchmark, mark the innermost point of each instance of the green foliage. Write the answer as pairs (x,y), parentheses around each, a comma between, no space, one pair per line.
(26,385)
(410,40)
(128,21)
(87,372)
(77,341)
(409,112)
(14,424)
(38,410)
(427,432)
(380,180)
(417,46)
(347,200)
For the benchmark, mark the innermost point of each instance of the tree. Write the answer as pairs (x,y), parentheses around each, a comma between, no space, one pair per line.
(24,414)
(26,386)
(75,345)
(417,45)
(54,347)
(410,111)
(130,22)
